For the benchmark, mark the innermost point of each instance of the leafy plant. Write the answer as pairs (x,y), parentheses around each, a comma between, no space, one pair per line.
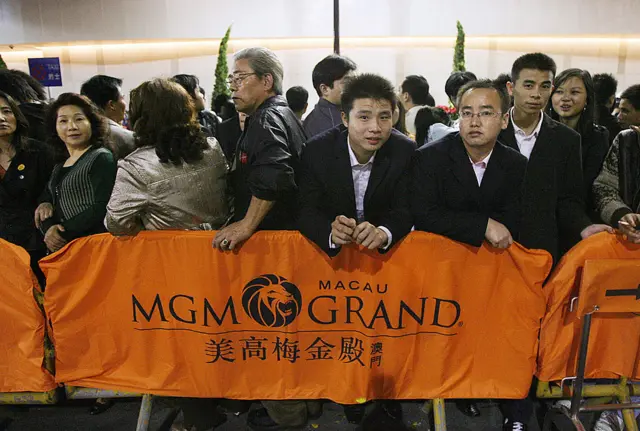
(458,54)
(222,70)
(3,65)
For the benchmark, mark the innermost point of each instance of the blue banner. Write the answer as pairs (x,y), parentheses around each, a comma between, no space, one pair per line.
(46,70)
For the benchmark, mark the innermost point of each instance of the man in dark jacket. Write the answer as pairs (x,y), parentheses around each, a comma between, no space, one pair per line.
(553,201)
(328,78)
(605,88)
(466,186)
(265,183)
(354,182)
(553,194)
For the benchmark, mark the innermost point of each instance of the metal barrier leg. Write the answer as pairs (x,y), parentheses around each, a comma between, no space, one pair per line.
(576,398)
(628,415)
(145,413)
(439,416)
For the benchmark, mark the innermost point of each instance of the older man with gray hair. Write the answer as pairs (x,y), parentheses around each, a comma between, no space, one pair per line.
(268,153)
(265,184)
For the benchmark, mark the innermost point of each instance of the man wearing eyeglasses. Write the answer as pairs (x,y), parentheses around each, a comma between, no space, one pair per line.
(263,173)
(263,177)
(466,186)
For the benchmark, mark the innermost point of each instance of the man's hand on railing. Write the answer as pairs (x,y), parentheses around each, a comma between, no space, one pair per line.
(53,239)
(630,226)
(594,229)
(497,234)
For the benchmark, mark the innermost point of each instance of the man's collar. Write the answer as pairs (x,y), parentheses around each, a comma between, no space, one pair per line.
(518,131)
(352,156)
(485,160)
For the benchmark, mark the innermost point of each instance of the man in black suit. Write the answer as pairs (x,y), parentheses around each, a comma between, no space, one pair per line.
(553,196)
(553,201)
(466,186)
(354,181)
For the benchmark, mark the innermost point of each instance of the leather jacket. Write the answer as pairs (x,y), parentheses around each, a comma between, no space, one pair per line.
(267,162)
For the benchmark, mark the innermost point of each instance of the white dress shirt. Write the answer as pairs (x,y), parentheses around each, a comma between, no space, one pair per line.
(410,119)
(480,167)
(526,143)
(360,172)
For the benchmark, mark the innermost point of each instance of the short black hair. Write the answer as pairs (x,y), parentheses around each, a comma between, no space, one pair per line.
(502,79)
(632,94)
(16,87)
(455,81)
(505,101)
(418,89)
(329,69)
(297,98)
(201,90)
(102,89)
(367,86)
(35,85)
(535,61)
(605,86)
(191,83)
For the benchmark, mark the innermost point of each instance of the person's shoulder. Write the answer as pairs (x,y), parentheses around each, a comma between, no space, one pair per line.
(512,157)
(120,131)
(401,142)
(440,146)
(559,129)
(325,142)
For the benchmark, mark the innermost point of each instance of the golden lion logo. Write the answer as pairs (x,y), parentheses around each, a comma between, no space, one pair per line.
(271,300)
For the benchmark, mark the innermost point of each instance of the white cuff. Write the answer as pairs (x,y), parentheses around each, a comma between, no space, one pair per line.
(331,244)
(389,237)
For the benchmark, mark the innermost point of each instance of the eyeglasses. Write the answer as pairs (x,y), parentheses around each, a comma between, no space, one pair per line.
(237,79)
(482,115)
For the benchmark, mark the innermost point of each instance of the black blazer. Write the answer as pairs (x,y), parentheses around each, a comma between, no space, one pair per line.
(447,200)
(327,191)
(553,193)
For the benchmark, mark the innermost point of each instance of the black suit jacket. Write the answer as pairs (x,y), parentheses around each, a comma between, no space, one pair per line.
(553,193)
(327,191)
(447,200)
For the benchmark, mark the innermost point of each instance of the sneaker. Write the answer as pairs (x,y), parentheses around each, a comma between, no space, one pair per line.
(609,421)
(513,426)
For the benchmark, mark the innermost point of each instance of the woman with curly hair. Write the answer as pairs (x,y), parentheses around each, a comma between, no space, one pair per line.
(176,178)
(76,197)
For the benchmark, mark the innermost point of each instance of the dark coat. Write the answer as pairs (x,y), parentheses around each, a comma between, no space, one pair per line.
(327,190)
(325,116)
(553,194)
(266,164)
(447,200)
(24,182)
(229,133)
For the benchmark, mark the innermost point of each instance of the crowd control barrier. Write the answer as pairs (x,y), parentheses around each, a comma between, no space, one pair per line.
(592,330)
(165,314)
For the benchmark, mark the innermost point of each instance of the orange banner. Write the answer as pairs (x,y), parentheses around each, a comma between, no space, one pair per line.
(22,323)
(610,286)
(614,345)
(166,314)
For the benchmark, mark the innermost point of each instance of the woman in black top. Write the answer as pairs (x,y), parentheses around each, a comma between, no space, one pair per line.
(79,189)
(573,104)
(25,167)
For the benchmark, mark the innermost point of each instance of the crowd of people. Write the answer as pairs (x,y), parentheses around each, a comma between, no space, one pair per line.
(534,156)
